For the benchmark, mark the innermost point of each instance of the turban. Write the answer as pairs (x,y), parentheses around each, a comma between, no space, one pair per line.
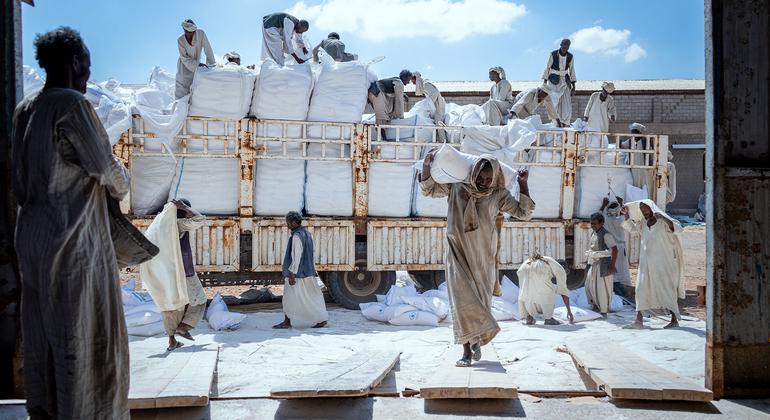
(608,86)
(636,126)
(189,26)
(499,70)
(231,55)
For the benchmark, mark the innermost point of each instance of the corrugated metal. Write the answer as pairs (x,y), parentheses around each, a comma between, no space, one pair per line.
(520,240)
(421,245)
(582,242)
(333,242)
(405,245)
(216,244)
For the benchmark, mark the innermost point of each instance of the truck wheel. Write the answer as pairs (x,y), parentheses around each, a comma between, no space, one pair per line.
(349,288)
(576,278)
(428,280)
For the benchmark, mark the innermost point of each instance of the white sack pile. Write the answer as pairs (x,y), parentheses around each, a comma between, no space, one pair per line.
(211,184)
(142,314)
(220,318)
(222,92)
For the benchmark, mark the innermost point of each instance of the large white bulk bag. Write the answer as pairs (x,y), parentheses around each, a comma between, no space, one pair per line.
(151,180)
(283,93)
(211,184)
(415,318)
(339,95)
(450,165)
(329,183)
(199,128)
(428,206)
(279,184)
(391,183)
(222,92)
(592,187)
(545,186)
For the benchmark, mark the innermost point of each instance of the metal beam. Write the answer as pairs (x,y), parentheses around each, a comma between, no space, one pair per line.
(738,197)
(10,78)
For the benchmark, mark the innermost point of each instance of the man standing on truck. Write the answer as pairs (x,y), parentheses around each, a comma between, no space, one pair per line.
(75,342)
(335,48)
(500,97)
(387,97)
(559,75)
(190,44)
(303,301)
(277,32)
(528,101)
(472,245)
(601,108)
(602,260)
(431,92)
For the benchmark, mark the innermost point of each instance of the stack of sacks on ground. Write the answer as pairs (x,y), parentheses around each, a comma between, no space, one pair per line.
(339,95)
(405,306)
(220,318)
(282,93)
(581,308)
(142,314)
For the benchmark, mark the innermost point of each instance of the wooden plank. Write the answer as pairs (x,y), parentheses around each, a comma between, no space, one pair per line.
(623,375)
(355,376)
(484,379)
(180,379)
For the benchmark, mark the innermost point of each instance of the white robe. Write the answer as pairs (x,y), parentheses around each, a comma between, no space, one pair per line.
(526,105)
(560,94)
(276,42)
(598,287)
(429,90)
(671,185)
(614,224)
(499,103)
(189,58)
(600,112)
(660,279)
(303,303)
(536,290)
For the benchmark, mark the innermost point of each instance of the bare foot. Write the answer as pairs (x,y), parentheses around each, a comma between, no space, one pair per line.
(551,321)
(530,321)
(320,325)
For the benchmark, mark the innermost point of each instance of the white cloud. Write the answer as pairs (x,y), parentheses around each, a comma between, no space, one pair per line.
(382,20)
(597,40)
(428,67)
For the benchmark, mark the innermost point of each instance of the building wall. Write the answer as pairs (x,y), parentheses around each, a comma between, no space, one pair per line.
(679,115)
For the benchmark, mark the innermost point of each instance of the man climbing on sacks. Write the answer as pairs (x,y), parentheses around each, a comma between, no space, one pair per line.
(277,32)
(528,101)
(472,245)
(431,92)
(387,97)
(191,44)
(303,301)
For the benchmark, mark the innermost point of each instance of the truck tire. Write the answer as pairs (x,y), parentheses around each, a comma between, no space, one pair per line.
(349,288)
(576,278)
(428,279)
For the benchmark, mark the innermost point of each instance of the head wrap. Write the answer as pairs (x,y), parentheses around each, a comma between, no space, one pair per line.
(608,86)
(189,26)
(471,213)
(231,55)
(499,70)
(637,126)
(419,84)
(334,35)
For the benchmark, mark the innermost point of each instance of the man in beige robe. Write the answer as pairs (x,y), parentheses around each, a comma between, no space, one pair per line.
(472,246)
(602,258)
(600,110)
(387,97)
(500,97)
(181,321)
(528,101)
(430,91)
(191,44)
(74,335)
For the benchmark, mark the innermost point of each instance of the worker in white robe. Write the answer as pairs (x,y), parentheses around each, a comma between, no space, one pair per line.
(278,30)
(430,91)
(182,320)
(600,110)
(602,257)
(303,300)
(500,98)
(232,58)
(559,75)
(613,222)
(190,44)
(643,178)
(671,176)
(528,101)
(660,278)
(537,290)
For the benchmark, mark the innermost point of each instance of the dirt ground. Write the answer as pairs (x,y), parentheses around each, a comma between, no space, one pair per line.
(694,243)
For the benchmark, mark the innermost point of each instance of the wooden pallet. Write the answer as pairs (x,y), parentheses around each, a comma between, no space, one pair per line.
(181,378)
(355,376)
(486,378)
(624,375)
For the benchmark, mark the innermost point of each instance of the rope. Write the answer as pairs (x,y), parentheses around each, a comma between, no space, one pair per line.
(179,180)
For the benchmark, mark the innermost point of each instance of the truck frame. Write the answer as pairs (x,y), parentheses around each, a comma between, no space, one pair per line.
(357,256)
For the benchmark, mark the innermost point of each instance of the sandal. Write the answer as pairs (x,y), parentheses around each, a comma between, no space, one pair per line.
(463,362)
(476,348)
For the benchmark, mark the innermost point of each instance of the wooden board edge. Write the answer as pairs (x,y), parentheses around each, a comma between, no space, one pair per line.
(702,395)
(141,403)
(440,393)
(182,401)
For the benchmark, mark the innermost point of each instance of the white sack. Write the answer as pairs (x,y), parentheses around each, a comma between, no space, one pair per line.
(393,297)
(390,189)
(374,311)
(222,92)
(328,184)
(151,180)
(211,184)
(441,294)
(279,186)
(592,187)
(416,318)
(220,318)
(504,142)
(149,330)
(434,305)
(162,80)
(283,92)
(165,123)
(636,194)
(144,317)
(510,290)
(163,276)
(580,314)
(503,310)
(32,80)
(339,95)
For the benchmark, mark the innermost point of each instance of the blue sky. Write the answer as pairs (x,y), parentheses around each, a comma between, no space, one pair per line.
(444,39)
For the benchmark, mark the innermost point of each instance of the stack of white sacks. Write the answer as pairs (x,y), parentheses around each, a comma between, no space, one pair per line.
(404,306)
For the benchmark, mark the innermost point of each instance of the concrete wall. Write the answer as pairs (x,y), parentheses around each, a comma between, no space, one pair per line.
(680,115)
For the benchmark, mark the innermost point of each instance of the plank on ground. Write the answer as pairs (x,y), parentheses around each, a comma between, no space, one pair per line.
(486,378)
(355,376)
(624,375)
(180,379)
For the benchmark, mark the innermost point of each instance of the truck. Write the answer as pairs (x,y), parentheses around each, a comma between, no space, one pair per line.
(357,256)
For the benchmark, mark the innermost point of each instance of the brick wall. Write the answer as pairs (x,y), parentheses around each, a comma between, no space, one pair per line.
(681,116)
